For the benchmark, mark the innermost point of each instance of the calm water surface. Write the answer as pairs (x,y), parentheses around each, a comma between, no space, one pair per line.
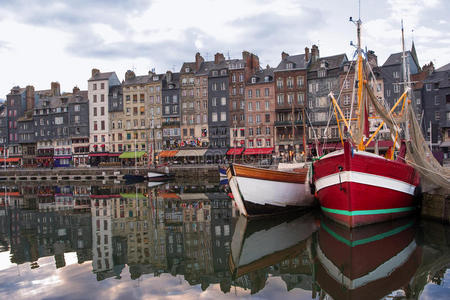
(181,241)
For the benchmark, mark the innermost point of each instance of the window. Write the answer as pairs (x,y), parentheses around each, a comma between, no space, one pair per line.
(102,98)
(321,73)
(95,98)
(58,120)
(266,92)
(267,130)
(396,88)
(290,82)
(76,107)
(253,79)
(223,116)
(103,125)
(290,98)
(223,101)
(249,93)
(289,66)
(233,78)
(300,81)
(280,83)
(95,125)
(214,117)
(214,101)
(267,105)
(280,99)
(396,74)
(258,118)
(267,118)
(250,106)
(77,119)
(258,105)
(428,87)
(102,111)
(250,119)
(95,86)
(300,98)
(388,93)
(418,101)
(346,99)
(241,77)
(437,115)
(437,100)
(250,131)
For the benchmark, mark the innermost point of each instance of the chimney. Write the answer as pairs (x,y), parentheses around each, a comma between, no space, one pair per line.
(198,61)
(95,72)
(314,53)
(218,58)
(29,97)
(75,90)
(372,59)
(245,55)
(284,55)
(55,89)
(169,76)
(129,75)
(306,54)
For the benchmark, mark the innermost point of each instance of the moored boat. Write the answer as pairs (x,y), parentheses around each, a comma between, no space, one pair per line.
(356,187)
(159,176)
(260,192)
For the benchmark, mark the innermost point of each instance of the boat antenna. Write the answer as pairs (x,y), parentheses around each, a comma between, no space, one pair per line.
(406,81)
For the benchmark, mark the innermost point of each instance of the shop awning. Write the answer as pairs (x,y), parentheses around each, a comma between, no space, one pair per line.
(99,154)
(235,151)
(10,159)
(139,196)
(190,153)
(168,153)
(216,152)
(132,154)
(257,151)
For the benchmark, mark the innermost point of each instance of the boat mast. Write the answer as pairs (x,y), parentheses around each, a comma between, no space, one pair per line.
(406,83)
(360,85)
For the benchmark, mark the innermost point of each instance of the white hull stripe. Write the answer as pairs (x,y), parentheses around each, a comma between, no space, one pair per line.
(365,178)
(381,271)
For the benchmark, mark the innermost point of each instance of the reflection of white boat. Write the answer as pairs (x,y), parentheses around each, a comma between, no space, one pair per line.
(154,183)
(257,244)
(259,192)
(159,176)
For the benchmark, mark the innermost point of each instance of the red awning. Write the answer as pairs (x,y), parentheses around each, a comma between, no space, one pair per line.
(99,154)
(114,154)
(10,159)
(62,157)
(235,151)
(256,151)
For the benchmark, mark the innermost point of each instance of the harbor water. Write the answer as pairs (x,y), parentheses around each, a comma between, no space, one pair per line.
(181,240)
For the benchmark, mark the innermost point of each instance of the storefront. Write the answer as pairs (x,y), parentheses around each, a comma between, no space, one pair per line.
(133,158)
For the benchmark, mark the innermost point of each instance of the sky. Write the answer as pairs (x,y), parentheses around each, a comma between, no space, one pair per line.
(47,40)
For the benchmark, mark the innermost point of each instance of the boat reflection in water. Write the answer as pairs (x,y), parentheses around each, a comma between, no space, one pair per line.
(258,244)
(368,262)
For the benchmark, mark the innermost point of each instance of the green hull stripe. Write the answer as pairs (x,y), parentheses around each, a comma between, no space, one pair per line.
(367,212)
(369,239)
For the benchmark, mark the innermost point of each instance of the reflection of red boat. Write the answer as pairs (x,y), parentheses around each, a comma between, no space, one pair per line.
(367,262)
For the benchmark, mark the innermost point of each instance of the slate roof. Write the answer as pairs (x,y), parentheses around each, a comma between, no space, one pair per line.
(21,90)
(444,68)
(261,74)
(190,65)
(142,79)
(101,76)
(81,95)
(205,67)
(175,81)
(298,62)
(334,62)
(395,59)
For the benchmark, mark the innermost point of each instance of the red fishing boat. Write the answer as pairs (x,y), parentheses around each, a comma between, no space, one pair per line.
(356,187)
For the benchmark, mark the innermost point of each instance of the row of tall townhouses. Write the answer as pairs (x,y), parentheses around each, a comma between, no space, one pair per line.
(221,104)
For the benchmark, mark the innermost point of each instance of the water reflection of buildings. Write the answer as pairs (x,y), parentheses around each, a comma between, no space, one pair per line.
(186,230)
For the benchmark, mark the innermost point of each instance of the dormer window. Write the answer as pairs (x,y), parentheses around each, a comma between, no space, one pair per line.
(289,66)
(155,78)
(171,86)
(187,69)
(253,79)
(215,73)
(321,73)
(223,72)
(323,64)
(266,78)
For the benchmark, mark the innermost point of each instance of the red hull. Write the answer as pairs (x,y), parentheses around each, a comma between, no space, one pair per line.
(360,188)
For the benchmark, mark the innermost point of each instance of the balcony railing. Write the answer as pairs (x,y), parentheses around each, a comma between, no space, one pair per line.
(287,123)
